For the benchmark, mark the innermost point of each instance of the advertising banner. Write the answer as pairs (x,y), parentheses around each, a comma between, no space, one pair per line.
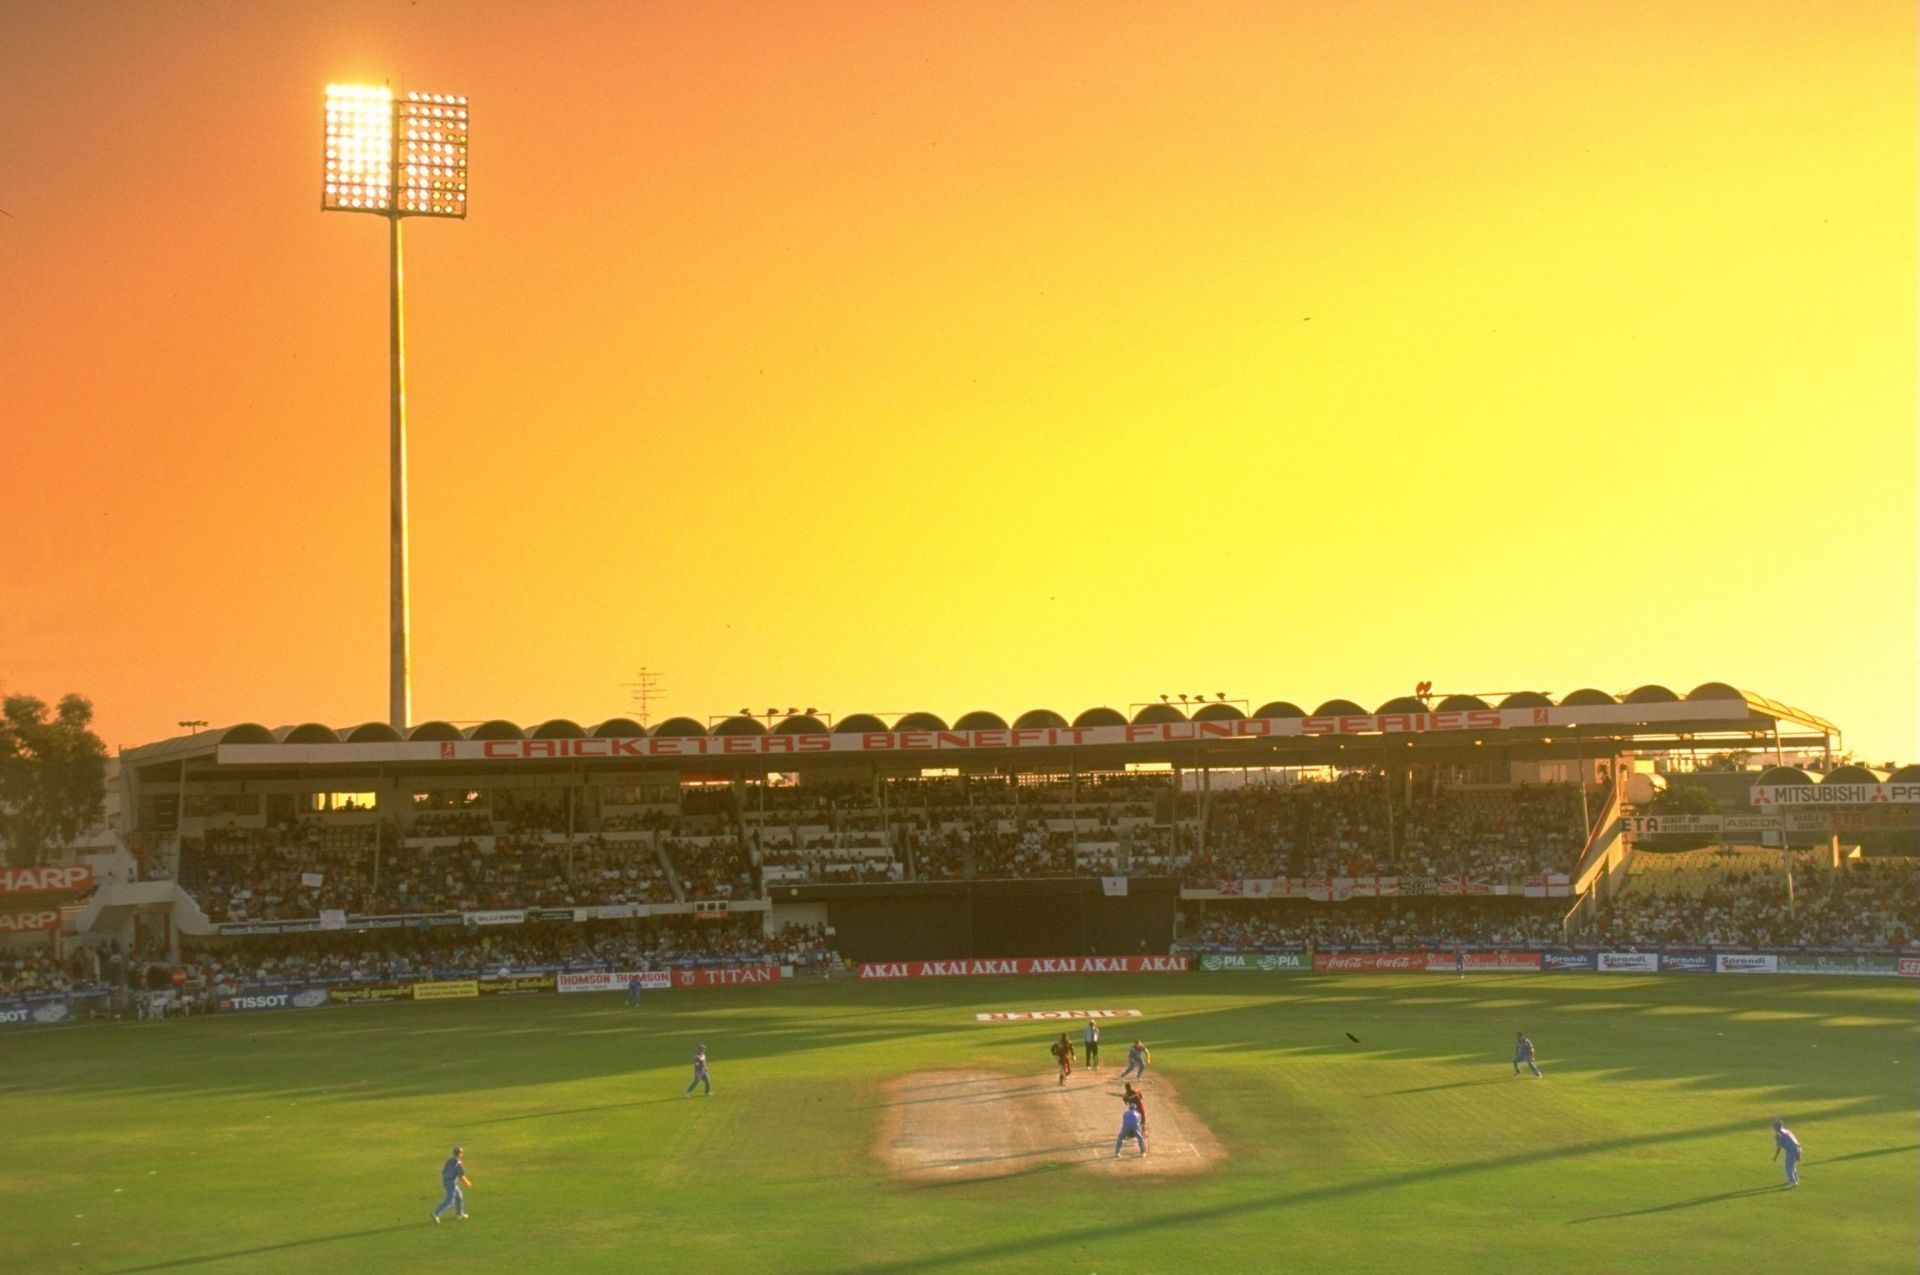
(1113,886)
(1833,794)
(1686,962)
(25,1013)
(1746,963)
(371,994)
(47,880)
(726,975)
(251,999)
(1027,965)
(516,984)
(458,989)
(1401,962)
(29,922)
(495,916)
(957,741)
(652,980)
(1910,966)
(1629,962)
(1264,961)
(1861,964)
(1054,1015)
(270,927)
(1480,961)
(1568,961)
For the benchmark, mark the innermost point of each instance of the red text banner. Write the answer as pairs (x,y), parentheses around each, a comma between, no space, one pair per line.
(1026,965)
(1389,961)
(1054,1015)
(26,922)
(950,741)
(48,880)
(1502,961)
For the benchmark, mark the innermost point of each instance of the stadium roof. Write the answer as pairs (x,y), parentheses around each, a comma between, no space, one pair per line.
(1650,717)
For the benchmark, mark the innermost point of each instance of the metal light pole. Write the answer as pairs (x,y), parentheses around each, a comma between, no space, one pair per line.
(396,157)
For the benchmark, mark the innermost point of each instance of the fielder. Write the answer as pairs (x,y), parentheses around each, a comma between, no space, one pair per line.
(700,1076)
(1062,1051)
(633,990)
(1138,1056)
(1090,1042)
(1783,1140)
(1130,1128)
(1523,1053)
(453,1176)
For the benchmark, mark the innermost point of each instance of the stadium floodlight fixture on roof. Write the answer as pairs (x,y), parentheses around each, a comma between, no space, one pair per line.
(396,156)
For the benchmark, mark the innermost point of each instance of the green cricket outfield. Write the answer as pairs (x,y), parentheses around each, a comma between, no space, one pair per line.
(312,1140)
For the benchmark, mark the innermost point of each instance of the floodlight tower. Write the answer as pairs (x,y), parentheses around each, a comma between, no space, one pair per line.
(396,157)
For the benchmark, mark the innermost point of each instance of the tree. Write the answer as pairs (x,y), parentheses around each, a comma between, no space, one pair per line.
(1680,799)
(53,775)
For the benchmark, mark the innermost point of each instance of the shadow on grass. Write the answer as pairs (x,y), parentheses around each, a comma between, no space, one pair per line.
(231,1254)
(1456,1084)
(1677,1205)
(580,1111)
(1027,1246)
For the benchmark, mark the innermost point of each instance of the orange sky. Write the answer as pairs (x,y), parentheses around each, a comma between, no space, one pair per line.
(890,356)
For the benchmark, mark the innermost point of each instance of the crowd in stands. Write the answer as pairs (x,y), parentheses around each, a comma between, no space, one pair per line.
(1871,904)
(383,956)
(258,877)
(34,972)
(1450,923)
(1348,828)
(712,867)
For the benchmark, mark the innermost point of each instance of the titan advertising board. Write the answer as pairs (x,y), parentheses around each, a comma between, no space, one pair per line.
(1267,962)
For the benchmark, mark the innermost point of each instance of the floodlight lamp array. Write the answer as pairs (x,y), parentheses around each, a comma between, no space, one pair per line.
(395,157)
(432,153)
(359,173)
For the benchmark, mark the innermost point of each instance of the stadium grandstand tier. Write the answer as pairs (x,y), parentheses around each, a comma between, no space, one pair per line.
(1115,820)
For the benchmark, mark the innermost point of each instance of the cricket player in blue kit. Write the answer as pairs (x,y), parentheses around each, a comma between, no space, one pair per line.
(1138,1056)
(633,990)
(1523,1053)
(1130,1128)
(453,1176)
(699,1074)
(1783,1140)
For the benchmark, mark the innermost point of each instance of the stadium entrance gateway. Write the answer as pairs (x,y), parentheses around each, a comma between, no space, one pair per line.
(1124,797)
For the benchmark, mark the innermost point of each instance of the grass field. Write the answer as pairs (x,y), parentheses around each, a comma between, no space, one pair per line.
(312,1140)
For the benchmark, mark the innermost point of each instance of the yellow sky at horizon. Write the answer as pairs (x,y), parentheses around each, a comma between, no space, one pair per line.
(885,357)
